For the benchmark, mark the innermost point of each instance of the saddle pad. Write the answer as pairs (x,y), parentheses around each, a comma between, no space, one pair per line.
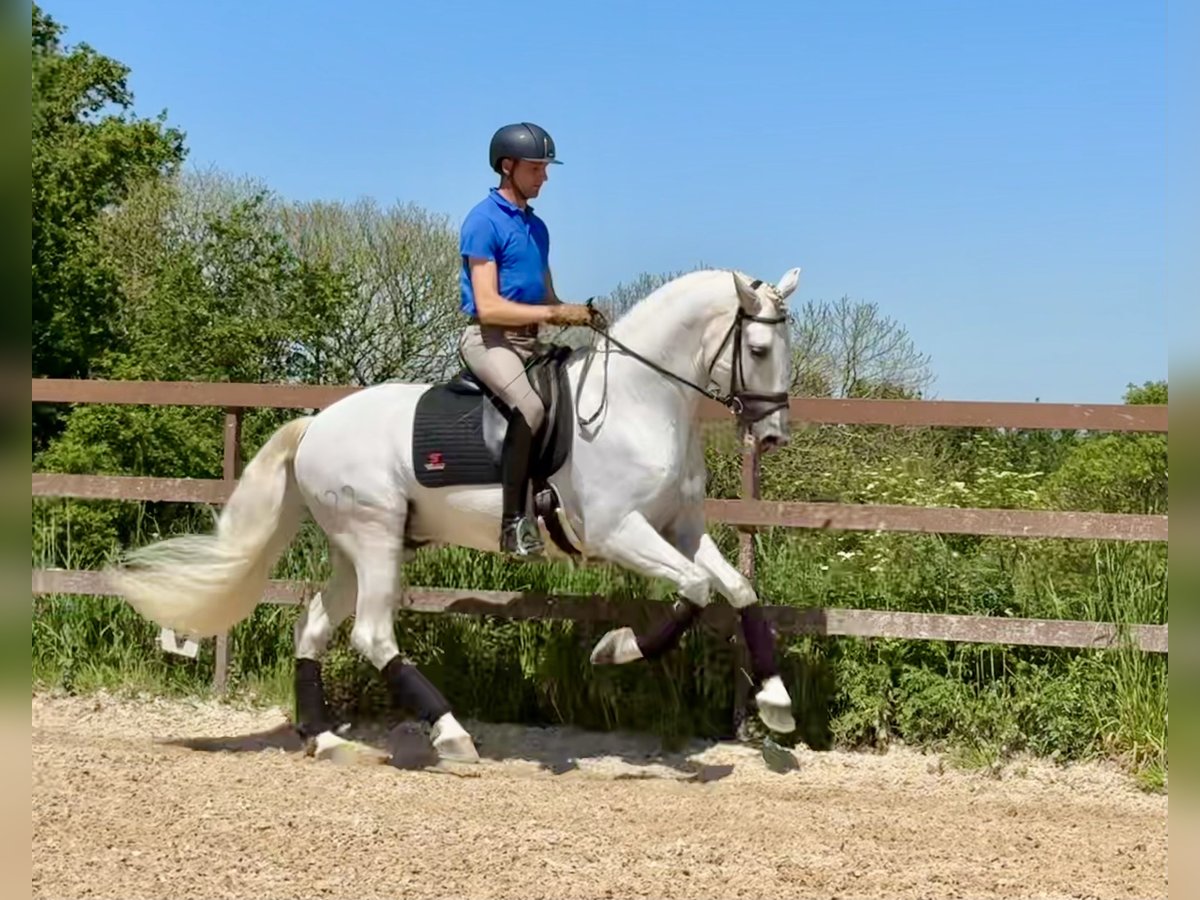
(448,444)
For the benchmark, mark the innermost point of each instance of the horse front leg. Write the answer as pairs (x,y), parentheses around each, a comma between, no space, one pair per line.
(773,701)
(687,533)
(636,545)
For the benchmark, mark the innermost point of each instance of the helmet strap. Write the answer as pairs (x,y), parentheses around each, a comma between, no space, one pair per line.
(511,183)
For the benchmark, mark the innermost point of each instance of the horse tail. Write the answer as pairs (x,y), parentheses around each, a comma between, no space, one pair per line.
(201,585)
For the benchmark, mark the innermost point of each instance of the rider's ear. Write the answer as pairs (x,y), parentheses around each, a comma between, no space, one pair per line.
(788,283)
(746,296)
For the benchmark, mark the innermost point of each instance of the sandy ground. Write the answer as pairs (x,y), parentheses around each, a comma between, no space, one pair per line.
(151,798)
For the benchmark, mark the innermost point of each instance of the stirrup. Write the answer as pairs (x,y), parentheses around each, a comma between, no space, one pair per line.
(521,537)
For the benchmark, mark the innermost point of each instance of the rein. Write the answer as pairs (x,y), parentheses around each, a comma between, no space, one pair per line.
(748,406)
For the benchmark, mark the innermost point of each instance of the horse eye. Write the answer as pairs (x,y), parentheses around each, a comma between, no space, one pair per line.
(758,351)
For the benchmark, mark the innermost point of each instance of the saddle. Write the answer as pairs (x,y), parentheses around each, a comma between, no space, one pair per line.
(459,427)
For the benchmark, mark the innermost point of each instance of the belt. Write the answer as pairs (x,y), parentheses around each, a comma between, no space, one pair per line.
(530,330)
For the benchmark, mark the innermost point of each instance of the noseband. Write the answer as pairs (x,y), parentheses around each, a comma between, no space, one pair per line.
(748,406)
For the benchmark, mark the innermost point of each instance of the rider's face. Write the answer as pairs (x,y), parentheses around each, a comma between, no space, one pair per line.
(528,176)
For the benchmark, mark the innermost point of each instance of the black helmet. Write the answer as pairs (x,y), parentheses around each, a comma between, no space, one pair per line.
(521,141)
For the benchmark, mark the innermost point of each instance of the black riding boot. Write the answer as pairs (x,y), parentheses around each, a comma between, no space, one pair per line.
(518,533)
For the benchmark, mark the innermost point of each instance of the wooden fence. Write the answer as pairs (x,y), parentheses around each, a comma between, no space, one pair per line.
(746,513)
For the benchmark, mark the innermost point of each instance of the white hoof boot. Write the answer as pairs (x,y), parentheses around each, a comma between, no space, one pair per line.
(337,749)
(452,742)
(775,706)
(326,744)
(616,647)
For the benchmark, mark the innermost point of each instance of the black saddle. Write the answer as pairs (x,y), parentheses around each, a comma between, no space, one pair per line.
(458,433)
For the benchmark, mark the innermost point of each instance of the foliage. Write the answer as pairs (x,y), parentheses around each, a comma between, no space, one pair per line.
(1124,473)
(401,316)
(89,151)
(850,349)
(249,306)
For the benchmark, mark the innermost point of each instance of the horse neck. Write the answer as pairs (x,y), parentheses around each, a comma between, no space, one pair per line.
(670,328)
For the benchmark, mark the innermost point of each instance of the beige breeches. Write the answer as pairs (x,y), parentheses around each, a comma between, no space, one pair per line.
(497,357)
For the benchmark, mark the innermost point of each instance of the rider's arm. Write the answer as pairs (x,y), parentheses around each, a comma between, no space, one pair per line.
(492,308)
(551,297)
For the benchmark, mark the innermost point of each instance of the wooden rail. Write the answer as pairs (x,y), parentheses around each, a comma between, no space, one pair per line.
(807,410)
(939,520)
(864,623)
(747,514)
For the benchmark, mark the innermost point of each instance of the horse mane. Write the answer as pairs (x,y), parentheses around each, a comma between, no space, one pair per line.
(694,287)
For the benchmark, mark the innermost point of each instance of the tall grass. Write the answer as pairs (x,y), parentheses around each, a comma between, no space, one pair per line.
(980,703)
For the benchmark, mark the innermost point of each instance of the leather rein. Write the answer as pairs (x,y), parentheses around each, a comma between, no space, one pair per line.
(748,406)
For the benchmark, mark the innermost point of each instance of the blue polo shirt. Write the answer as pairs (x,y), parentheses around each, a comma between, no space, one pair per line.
(516,239)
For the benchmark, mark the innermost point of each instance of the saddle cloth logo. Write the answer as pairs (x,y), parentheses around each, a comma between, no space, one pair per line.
(434,462)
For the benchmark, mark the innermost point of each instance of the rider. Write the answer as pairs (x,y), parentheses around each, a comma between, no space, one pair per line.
(507,291)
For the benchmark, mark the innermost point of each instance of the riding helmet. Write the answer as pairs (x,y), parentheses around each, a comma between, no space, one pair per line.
(522,140)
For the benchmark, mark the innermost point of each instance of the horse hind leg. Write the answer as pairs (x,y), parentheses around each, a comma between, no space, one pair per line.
(377,561)
(318,621)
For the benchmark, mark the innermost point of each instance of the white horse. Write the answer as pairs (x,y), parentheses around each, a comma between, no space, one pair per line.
(630,485)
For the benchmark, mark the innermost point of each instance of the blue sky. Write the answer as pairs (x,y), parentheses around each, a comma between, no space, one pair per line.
(993,175)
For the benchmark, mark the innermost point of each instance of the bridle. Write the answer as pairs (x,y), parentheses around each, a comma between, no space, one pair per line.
(748,406)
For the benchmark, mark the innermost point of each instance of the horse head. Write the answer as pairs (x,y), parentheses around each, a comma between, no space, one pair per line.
(753,360)
(722,334)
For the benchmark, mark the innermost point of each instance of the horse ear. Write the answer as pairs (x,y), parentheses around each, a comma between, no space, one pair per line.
(788,283)
(746,295)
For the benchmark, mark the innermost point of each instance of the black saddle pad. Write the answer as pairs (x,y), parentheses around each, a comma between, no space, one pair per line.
(458,430)
(449,445)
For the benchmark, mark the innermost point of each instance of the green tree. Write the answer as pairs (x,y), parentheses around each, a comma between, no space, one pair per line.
(401,319)
(1146,394)
(88,151)
(209,290)
(1123,473)
(219,272)
(850,349)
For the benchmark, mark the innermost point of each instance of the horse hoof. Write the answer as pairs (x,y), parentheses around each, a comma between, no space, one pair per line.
(777,718)
(452,742)
(457,750)
(616,647)
(775,706)
(338,750)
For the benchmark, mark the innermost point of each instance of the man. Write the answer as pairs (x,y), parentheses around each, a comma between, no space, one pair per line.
(508,292)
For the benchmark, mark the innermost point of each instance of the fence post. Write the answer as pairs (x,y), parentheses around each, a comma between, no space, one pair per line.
(231,470)
(741,663)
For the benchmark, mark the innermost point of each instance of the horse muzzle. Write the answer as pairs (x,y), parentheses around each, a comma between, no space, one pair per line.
(754,409)
(751,407)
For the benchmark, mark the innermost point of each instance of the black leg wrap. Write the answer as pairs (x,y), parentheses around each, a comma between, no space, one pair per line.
(666,635)
(312,715)
(760,642)
(414,691)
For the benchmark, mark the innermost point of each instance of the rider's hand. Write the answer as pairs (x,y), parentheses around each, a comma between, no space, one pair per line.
(570,314)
